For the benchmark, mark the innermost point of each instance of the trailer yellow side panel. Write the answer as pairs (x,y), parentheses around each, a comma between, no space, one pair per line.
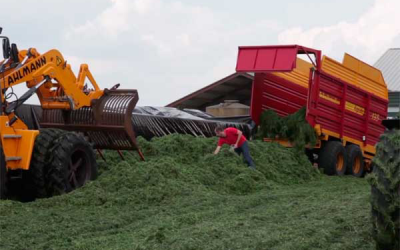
(357,73)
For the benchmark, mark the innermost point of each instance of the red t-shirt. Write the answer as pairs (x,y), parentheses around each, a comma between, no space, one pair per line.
(231,137)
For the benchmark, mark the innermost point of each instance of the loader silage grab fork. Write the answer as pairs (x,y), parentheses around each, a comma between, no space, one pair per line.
(100,117)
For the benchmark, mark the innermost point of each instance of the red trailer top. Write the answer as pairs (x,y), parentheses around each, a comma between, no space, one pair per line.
(343,103)
(281,58)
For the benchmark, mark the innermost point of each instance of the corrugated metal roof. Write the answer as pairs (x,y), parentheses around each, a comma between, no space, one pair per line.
(389,64)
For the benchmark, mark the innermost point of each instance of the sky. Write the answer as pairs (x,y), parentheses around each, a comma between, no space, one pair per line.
(167,49)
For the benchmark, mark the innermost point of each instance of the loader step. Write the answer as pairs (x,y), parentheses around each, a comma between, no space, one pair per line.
(12,136)
(13,158)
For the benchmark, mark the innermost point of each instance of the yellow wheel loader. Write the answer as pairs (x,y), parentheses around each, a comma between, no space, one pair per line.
(78,118)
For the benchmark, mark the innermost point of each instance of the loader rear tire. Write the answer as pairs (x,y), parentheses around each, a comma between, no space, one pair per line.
(40,159)
(385,192)
(333,158)
(72,165)
(3,175)
(355,161)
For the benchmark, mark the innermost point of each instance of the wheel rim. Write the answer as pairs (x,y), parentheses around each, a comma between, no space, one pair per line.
(79,168)
(339,162)
(356,165)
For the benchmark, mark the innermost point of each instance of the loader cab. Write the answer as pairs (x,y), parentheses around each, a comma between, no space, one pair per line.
(5,45)
(10,51)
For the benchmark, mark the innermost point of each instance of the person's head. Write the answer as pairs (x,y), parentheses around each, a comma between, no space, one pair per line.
(219,131)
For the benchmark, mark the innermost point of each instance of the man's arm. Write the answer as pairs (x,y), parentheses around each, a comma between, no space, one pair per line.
(217,150)
(239,133)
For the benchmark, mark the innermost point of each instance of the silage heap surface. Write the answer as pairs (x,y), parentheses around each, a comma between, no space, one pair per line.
(180,165)
(177,168)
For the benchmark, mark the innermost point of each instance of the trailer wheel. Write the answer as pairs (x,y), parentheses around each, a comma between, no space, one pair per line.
(355,162)
(385,192)
(36,177)
(73,164)
(3,175)
(333,158)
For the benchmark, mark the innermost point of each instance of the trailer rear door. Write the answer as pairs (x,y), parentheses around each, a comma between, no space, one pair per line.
(266,58)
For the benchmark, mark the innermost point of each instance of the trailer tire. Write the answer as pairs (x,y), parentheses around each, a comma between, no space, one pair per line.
(355,162)
(40,160)
(3,175)
(385,192)
(333,158)
(72,165)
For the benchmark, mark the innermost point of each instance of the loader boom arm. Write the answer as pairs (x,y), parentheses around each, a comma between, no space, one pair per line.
(62,90)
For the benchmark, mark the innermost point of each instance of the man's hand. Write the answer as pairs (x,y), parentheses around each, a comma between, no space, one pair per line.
(217,150)
(235,146)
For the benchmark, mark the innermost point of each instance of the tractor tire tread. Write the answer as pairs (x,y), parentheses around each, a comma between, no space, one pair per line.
(3,175)
(40,159)
(57,183)
(385,192)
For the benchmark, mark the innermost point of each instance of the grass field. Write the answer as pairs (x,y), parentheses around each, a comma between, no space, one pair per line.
(193,202)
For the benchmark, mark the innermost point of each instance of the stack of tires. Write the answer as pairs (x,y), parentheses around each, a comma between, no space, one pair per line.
(385,192)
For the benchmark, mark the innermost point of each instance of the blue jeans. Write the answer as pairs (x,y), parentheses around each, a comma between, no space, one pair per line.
(246,154)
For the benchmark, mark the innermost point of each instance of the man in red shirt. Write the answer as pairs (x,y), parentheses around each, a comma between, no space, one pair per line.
(234,137)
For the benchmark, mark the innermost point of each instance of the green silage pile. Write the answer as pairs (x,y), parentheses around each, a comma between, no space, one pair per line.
(182,165)
(293,127)
(183,197)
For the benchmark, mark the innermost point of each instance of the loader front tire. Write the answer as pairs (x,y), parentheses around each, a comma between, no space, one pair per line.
(385,192)
(333,158)
(3,175)
(72,165)
(355,161)
(40,159)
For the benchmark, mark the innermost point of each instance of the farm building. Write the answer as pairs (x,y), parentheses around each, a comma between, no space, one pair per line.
(389,64)
(236,86)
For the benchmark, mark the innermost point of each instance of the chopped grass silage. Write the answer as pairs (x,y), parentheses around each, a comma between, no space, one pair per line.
(293,127)
(182,165)
(183,197)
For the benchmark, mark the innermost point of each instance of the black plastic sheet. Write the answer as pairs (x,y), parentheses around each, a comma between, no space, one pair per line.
(151,122)
(150,126)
